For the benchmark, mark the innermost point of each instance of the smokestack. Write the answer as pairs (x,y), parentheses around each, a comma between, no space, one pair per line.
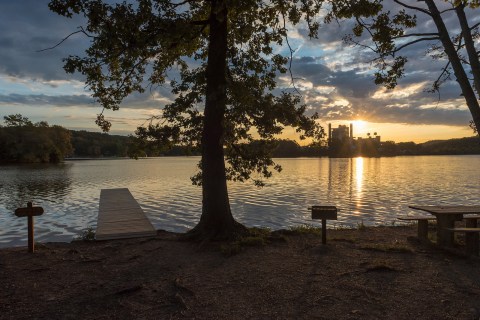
(329,132)
(351,130)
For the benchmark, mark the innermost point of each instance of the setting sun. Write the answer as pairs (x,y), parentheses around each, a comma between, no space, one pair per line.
(360,127)
(359,124)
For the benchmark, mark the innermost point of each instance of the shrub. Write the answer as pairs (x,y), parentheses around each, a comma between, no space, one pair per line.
(87,235)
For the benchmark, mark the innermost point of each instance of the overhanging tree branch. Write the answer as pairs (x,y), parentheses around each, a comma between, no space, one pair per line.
(66,38)
(416,35)
(413,7)
(413,42)
(475,26)
(291,51)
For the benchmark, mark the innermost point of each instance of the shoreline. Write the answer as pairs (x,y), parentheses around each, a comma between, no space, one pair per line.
(198,156)
(368,273)
(332,225)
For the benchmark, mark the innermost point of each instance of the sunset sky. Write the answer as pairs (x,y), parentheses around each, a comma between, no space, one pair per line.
(335,80)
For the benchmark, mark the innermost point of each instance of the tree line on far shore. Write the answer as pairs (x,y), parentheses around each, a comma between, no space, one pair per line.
(22,141)
(95,145)
(462,146)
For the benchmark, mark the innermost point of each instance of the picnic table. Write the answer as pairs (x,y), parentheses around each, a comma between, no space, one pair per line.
(446,217)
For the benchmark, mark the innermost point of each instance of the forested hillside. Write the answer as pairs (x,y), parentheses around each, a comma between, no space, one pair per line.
(94,144)
(469,145)
(22,141)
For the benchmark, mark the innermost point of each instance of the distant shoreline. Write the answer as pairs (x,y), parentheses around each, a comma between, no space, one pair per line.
(101,158)
(186,156)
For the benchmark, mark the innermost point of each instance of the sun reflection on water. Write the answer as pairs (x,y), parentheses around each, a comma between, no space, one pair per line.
(356,183)
(359,174)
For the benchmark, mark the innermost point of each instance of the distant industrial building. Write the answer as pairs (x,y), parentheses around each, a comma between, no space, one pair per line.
(342,143)
(340,134)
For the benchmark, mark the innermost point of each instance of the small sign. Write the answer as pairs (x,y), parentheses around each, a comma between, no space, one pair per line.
(30,210)
(324,212)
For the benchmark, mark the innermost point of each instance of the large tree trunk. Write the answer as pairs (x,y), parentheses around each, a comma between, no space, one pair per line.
(460,74)
(216,221)
(470,46)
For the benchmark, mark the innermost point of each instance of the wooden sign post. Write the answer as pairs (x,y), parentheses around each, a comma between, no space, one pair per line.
(30,211)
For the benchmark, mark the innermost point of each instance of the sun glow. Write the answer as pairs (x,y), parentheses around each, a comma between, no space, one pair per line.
(359,125)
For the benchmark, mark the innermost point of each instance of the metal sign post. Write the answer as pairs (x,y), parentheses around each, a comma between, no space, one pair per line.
(325,213)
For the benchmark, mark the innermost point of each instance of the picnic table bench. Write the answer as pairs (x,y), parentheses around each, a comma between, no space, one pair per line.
(471,220)
(446,217)
(471,239)
(471,234)
(422,223)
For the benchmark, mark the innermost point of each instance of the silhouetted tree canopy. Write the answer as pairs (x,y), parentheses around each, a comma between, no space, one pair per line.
(224,53)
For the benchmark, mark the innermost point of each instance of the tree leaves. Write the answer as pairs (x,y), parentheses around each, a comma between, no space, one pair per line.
(136,45)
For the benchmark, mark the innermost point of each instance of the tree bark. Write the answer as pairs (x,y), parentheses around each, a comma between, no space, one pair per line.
(460,74)
(470,46)
(216,221)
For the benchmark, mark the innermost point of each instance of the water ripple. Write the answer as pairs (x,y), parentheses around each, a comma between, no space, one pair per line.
(369,191)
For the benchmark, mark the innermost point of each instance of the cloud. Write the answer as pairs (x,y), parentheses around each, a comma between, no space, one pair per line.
(352,94)
(29,26)
(46,100)
(328,63)
(336,79)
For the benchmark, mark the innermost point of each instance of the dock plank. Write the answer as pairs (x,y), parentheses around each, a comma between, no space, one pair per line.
(120,216)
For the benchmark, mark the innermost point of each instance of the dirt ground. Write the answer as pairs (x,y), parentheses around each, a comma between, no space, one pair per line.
(373,273)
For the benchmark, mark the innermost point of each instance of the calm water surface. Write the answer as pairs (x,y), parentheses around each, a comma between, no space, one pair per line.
(372,190)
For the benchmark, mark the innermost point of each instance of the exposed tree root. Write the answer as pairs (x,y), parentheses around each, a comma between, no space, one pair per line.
(205,233)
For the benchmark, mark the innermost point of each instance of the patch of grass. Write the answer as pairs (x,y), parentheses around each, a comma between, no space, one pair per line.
(260,232)
(306,229)
(341,226)
(361,226)
(256,237)
(87,235)
(251,241)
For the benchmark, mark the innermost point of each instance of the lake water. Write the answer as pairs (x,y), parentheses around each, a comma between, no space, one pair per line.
(368,190)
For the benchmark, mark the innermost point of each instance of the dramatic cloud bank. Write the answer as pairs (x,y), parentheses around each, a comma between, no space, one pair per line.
(335,80)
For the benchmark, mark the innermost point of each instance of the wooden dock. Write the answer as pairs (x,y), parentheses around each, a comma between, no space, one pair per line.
(120,216)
